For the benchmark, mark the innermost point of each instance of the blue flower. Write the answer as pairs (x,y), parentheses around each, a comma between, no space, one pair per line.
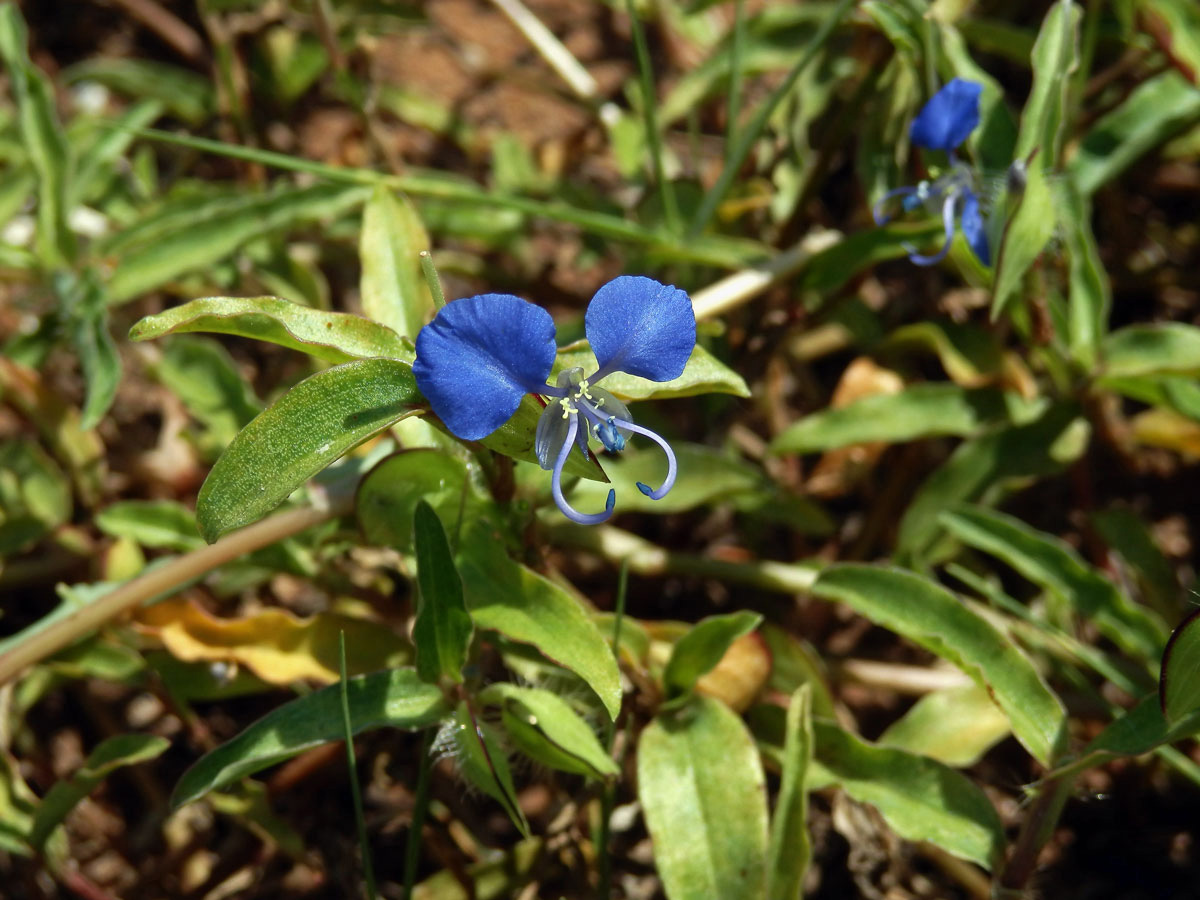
(943,124)
(481,355)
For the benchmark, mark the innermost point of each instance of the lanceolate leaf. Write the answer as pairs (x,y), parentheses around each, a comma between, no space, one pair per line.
(395,698)
(1138,731)
(333,336)
(515,601)
(702,648)
(929,615)
(790,847)
(483,763)
(1156,110)
(1179,684)
(122,750)
(918,411)
(703,374)
(1052,564)
(546,728)
(1038,145)
(920,798)
(192,241)
(308,428)
(981,468)
(42,136)
(393,289)
(442,630)
(701,784)
(1165,347)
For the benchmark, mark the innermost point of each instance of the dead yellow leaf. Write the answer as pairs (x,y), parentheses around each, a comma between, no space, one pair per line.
(839,470)
(274,644)
(1168,429)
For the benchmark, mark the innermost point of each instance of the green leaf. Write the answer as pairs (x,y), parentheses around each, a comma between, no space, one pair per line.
(483,764)
(1055,55)
(972,356)
(100,162)
(202,374)
(955,726)
(506,597)
(35,496)
(42,136)
(152,523)
(442,628)
(393,288)
(185,94)
(795,663)
(83,304)
(1179,21)
(388,495)
(790,849)
(1054,565)
(206,236)
(396,698)
(1140,730)
(1162,348)
(310,426)
(546,728)
(1026,233)
(1039,144)
(921,799)
(701,785)
(703,374)
(1090,297)
(918,411)
(932,617)
(982,468)
(111,754)
(702,648)
(1156,110)
(1179,683)
(333,336)
(1127,535)
(831,269)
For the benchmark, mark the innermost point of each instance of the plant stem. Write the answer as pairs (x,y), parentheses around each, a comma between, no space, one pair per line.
(608,798)
(412,850)
(161,581)
(352,764)
(1036,830)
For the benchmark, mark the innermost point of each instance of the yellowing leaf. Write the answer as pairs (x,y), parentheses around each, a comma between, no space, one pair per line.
(1167,428)
(839,470)
(277,646)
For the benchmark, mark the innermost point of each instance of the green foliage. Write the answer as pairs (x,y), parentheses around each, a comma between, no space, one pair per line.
(701,785)
(1030,440)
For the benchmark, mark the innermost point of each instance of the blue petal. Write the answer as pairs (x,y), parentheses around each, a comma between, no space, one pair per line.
(974,230)
(642,327)
(950,115)
(550,435)
(479,357)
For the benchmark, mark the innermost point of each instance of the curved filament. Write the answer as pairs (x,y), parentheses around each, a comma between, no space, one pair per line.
(668,482)
(947,224)
(556,484)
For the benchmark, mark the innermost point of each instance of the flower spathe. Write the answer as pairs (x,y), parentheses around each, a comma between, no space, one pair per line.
(943,124)
(481,355)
